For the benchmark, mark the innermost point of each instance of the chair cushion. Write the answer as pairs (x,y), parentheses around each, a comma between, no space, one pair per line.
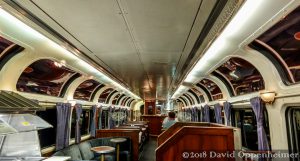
(59,153)
(73,151)
(85,149)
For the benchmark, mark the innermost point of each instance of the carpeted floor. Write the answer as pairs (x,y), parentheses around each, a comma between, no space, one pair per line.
(148,153)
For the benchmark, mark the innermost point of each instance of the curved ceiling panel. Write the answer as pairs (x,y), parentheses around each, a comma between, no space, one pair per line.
(148,45)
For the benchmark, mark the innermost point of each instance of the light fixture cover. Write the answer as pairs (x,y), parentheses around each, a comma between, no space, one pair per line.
(221,101)
(267,96)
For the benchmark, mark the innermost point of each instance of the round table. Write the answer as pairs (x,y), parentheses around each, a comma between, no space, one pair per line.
(118,141)
(103,150)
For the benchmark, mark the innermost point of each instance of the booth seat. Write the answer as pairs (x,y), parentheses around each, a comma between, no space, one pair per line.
(82,151)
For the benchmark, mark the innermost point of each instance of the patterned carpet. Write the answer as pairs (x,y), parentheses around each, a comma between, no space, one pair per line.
(148,153)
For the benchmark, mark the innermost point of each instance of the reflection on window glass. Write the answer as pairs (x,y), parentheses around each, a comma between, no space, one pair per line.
(85,89)
(104,95)
(284,38)
(213,89)
(115,99)
(47,136)
(104,118)
(243,76)
(84,122)
(294,130)
(44,77)
(246,120)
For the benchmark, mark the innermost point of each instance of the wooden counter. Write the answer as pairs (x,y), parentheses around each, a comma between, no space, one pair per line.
(154,123)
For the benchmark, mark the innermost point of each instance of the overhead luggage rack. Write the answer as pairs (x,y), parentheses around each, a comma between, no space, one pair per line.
(13,102)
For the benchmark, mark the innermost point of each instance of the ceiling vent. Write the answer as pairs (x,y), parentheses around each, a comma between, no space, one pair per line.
(15,103)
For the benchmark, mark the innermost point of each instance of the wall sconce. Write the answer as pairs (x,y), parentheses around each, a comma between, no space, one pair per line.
(221,101)
(267,96)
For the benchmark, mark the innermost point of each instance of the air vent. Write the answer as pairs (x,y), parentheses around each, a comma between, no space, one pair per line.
(13,102)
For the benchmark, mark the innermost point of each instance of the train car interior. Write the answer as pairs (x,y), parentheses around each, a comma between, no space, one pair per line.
(149,80)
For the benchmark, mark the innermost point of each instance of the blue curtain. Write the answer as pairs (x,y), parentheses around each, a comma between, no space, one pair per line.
(93,121)
(202,114)
(193,114)
(199,114)
(257,107)
(100,117)
(206,117)
(111,122)
(218,113)
(78,109)
(227,109)
(126,116)
(63,121)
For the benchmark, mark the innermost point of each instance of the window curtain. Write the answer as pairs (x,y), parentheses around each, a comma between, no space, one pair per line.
(78,109)
(227,109)
(196,114)
(111,123)
(93,121)
(63,121)
(257,107)
(206,117)
(202,114)
(218,113)
(100,111)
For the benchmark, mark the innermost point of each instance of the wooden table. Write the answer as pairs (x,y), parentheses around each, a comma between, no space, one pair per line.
(103,150)
(118,141)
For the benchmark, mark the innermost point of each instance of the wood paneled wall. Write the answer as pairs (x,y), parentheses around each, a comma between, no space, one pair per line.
(192,139)
(154,123)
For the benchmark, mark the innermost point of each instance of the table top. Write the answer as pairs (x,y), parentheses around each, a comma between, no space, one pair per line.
(103,149)
(118,140)
(58,158)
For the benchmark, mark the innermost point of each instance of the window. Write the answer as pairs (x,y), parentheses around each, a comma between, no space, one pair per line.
(44,77)
(84,122)
(104,95)
(104,118)
(85,89)
(214,90)
(242,75)
(282,44)
(48,136)
(246,120)
(293,122)
(114,101)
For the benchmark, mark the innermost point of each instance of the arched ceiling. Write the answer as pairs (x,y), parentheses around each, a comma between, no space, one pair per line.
(147,45)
